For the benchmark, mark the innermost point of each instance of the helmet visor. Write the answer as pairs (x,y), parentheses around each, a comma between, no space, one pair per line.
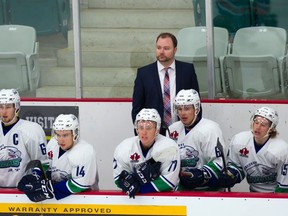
(144,124)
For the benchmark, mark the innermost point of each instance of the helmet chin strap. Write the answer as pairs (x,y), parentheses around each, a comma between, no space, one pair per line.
(13,119)
(156,133)
(192,123)
(265,137)
(75,138)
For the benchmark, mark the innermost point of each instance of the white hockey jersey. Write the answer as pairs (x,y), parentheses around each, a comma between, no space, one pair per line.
(198,146)
(128,156)
(77,165)
(25,141)
(265,169)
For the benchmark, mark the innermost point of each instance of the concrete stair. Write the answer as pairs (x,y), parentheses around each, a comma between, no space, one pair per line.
(118,36)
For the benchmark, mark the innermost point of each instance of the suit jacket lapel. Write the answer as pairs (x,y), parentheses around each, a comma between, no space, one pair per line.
(156,80)
(178,76)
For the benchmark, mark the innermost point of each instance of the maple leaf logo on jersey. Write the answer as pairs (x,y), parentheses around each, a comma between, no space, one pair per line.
(244,152)
(174,135)
(134,157)
(50,154)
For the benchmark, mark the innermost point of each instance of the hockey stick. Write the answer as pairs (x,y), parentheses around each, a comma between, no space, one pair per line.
(220,147)
(165,126)
(36,164)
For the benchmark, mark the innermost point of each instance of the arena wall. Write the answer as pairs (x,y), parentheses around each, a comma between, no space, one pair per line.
(105,123)
(13,203)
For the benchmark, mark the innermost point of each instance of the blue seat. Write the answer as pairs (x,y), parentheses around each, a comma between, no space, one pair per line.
(46,17)
(2,13)
(229,14)
(270,13)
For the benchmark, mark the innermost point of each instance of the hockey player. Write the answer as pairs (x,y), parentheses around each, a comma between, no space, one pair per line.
(72,164)
(196,137)
(259,155)
(20,140)
(148,162)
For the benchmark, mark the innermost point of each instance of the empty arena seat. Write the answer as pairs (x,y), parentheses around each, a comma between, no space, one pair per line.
(19,63)
(256,67)
(192,48)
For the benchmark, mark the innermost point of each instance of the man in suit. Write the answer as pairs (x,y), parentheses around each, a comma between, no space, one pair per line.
(149,82)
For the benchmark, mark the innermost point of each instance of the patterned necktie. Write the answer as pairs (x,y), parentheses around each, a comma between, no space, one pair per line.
(166,99)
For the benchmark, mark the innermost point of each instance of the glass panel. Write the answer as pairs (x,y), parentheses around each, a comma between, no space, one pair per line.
(33,50)
(38,64)
(270,13)
(2,15)
(255,65)
(118,36)
(229,14)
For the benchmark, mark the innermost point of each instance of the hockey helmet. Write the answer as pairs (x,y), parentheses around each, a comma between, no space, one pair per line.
(10,96)
(149,115)
(268,113)
(187,97)
(67,122)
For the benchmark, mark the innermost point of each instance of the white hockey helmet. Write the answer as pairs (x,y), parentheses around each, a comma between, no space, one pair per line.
(10,96)
(148,115)
(268,113)
(187,97)
(67,122)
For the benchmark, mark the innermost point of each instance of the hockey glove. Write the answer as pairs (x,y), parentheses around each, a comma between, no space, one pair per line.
(148,171)
(128,184)
(228,179)
(36,187)
(192,178)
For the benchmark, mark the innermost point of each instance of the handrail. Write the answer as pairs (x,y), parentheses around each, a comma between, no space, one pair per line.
(175,193)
